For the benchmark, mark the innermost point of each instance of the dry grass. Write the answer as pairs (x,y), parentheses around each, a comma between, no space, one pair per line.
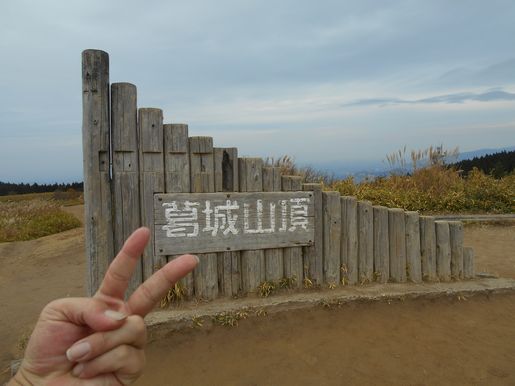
(175,295)
(68,198)
(31,219)
(436,189)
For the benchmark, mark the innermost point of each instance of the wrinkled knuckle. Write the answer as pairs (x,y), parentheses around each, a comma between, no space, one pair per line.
(147,293)
(139,326)
(117,276)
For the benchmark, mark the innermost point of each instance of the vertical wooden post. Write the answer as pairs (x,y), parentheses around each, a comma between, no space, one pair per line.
(177,175)
(365,242)
(332,233)
(468,263)
(443,251)
(397,243)
(252,261)
(456,235)
(293,265)
(428,247)
(349,243)
(226,180)
(97,187)
(151,168)
(274,265)
(177,161)
(381,244)
(313,255)
(226,169)
(203,181)
(126,200)
(413,257)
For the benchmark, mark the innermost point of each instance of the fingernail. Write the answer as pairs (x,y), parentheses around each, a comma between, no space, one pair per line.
(77,370)
(78,351)
(196,258)
(115,315)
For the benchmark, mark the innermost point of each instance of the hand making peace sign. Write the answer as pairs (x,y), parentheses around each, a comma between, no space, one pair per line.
(99,340)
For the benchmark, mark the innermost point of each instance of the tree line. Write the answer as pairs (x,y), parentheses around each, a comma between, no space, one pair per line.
(497,165)
(8,188)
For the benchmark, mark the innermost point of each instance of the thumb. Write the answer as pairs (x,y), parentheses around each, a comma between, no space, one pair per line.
(90,312)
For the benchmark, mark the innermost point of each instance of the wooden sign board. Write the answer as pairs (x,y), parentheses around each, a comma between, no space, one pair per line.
(216,222)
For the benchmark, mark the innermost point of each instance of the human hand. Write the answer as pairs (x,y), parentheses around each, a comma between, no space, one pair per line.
(99,340)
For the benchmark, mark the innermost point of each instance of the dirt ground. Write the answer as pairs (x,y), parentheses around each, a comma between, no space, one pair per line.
(442,341)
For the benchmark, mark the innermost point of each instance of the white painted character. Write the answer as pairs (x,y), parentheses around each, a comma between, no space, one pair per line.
(298,213)
(181,222)
(259,218)
(223,218)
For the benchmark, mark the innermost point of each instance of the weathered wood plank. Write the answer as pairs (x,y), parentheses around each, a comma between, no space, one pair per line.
(177,177)
(274,263)
(226,180)
(381,244)
(151,169)
(313,255)
(365,242)
(468,263)
(349,243)
(428,248)
(226,169)
(202,164)
(456,240)
(97,187)
(443,250)
(292,257)
(126,200)
(202,171)
(332,233)
(397,244)
(250,172)
(413,257)
(177,162)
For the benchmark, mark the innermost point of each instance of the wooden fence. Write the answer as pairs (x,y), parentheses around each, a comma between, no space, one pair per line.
(131,156)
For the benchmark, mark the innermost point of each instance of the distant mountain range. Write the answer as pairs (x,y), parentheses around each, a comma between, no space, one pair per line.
(482,152)
(368,169)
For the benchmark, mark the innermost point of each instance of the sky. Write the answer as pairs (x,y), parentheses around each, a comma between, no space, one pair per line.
(326,82)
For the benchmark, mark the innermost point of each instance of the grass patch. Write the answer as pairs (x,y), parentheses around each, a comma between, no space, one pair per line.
(176,295)
(30,219)
(435,189)
(67,198)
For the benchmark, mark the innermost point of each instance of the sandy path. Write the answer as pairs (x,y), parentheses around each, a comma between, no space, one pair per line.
(373,339)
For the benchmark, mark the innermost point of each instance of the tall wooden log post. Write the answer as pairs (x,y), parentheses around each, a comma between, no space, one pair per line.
(293,263)
(428,248)
(456,238)
(381,244)
(349,238)
(97,185)
(397,243)
(443,251)
(365,242)
(226,180)
(413,257)
(203,181)
(274,264)
(252,261)
(151,169)
(313,255)
(332,234)
(126,198)
(177,176)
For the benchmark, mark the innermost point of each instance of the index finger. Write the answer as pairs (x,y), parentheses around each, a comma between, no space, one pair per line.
(156,286)
(116,279)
